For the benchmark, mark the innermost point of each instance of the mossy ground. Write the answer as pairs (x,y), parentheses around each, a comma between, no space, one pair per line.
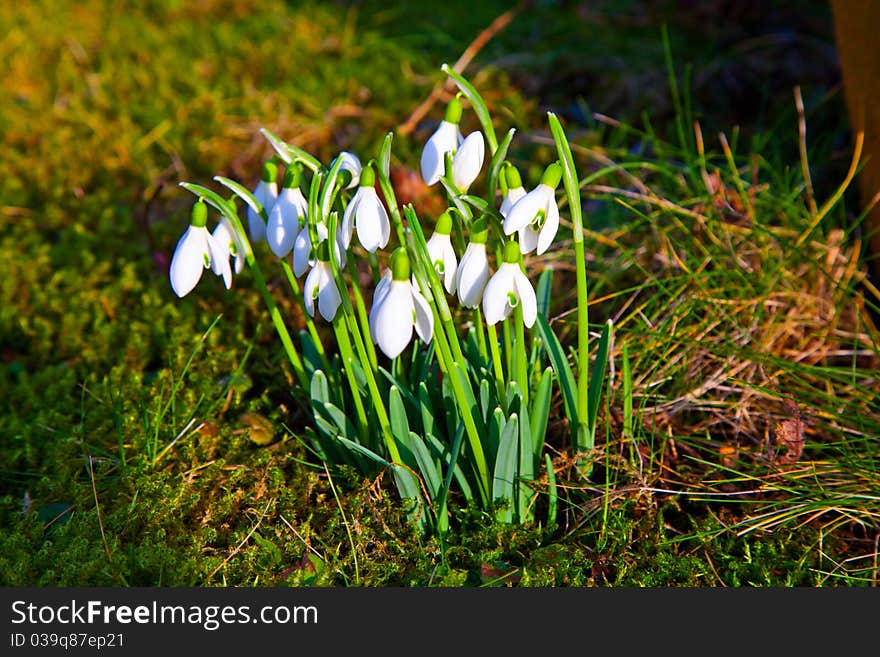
(131,422)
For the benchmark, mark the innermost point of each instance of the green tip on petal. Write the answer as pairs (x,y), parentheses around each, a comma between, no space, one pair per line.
(453,111)
(513,178)
(400,269)
(444,224)
(368,177)
(480,231)
(270,172)
(292,177)
(552,175)
(511,252)
(199,215)
(343,178)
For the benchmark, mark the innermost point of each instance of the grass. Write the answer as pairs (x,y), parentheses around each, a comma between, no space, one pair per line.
(151,441)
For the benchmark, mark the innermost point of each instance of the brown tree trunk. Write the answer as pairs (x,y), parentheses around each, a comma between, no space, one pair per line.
(857,33)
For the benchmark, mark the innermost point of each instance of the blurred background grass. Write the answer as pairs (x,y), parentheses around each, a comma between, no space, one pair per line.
(106,105)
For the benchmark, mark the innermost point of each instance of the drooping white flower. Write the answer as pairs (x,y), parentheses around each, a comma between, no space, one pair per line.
(397,308)
(473,270)
(366,215)
(265,193)
(228,246)
(302,249)
(508,288)
(446,139)
(196,251)
(536,215)
(468,160)
(288,215)
(321,287)
(441,252)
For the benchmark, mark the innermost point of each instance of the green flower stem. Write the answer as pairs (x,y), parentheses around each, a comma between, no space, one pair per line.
(345,351)
(310,324)
(481,337)
(374,267)
(572,191)
(314,205)
(274,313)
(448,350)
(496,365)
(520,357)
(363,317)
(391,203)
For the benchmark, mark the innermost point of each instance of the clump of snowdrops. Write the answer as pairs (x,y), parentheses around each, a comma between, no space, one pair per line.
(445,373)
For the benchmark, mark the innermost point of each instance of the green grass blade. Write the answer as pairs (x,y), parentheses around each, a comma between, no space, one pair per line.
(526,470)
(561,367)
(496,163)
(243,193)
(552,493)
(505,471)
(540,414)
(289,152)
(597,377)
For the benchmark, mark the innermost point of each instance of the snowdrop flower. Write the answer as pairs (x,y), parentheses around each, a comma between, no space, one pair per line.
(288,215)
(265,192)
(397,308)
(467,153)
(446,139)
(515,190)
(228,246)
(196,251)
(508,288)
(441,252)
(536,215)
(473,270)
(366,214)
(320,286)
(302,249)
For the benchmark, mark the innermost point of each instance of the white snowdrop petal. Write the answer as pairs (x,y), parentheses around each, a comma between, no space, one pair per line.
(527,298)
(548,230)
(283,225)
(394,324)
(528,239)
(424,320)
(450,267)
(379,293)
(352,164)
(371,221)
(328,296)
(526,209)
(513,195)
(188,261)
(468,160)
(301,249)
(347,226)
(495,306)
(310,288)
(445,139)
(256,227)
(220,260)
(472,275)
